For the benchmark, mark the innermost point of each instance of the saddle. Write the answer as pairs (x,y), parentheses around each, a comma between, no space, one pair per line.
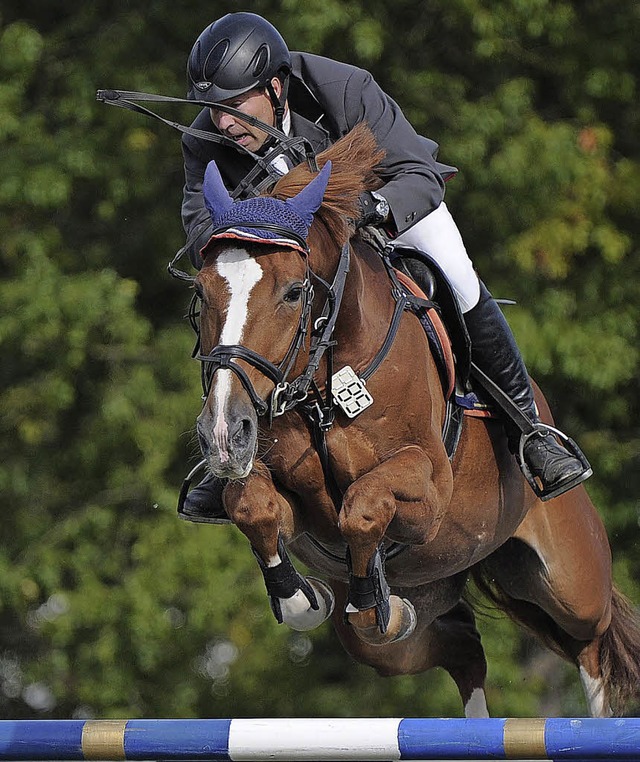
(449,340)
(444,326)
(423,276)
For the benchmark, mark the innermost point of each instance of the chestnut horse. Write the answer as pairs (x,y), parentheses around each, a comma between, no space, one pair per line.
(370,500)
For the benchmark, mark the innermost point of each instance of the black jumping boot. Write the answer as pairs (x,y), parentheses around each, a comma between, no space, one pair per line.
(550,467)
(203,504)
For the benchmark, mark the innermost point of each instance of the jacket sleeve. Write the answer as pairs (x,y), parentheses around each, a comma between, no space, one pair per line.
(413,179)
(196,220)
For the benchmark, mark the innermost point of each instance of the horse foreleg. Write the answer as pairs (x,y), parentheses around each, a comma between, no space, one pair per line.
(402,490)
(449,640)
(265,517)
(376,615)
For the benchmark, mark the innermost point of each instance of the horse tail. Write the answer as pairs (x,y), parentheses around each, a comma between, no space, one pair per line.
(620,654)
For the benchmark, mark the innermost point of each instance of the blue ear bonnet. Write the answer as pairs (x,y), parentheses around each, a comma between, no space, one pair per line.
(263,219)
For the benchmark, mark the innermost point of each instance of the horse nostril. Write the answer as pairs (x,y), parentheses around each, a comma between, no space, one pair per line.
(243,433)
(205,447)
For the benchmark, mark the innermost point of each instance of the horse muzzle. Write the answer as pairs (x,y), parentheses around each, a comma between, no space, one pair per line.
(228,441)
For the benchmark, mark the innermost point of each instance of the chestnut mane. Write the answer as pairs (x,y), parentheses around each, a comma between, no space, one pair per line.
(353,160)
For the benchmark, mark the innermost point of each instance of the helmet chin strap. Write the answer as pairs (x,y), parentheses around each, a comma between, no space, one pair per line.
(279,103)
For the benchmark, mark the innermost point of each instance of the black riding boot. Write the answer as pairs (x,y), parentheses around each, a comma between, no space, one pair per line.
(203,504)
(495,352)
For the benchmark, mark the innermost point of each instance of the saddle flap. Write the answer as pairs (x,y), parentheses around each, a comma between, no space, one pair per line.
(437,335)
(424,271)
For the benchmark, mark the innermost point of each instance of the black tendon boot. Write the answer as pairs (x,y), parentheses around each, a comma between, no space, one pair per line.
(203,504)
(548,465)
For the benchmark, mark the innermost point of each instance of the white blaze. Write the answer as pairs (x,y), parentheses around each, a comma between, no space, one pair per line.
(241,272)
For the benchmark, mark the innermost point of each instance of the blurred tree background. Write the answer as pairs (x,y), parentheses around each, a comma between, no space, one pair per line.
(110,606)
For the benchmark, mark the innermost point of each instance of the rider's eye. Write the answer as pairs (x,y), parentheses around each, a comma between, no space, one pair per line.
(293,295)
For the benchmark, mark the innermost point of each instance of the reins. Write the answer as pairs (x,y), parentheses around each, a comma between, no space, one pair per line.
(295,147)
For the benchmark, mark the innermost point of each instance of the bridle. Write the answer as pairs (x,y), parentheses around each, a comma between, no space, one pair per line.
(315,403)
(287,393)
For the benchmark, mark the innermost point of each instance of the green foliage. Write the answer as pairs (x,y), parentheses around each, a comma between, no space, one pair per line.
(111,607)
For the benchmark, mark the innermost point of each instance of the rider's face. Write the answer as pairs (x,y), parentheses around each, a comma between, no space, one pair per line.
(255,103)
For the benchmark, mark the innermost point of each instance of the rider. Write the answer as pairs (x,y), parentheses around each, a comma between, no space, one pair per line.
(242,61)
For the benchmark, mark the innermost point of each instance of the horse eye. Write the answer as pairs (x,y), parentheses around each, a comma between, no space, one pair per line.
(294,294)
(197,287)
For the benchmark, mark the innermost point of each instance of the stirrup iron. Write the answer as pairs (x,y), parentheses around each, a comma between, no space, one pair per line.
(572,448)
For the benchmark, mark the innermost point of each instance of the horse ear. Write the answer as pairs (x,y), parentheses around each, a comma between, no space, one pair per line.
(216,196)
(308,201)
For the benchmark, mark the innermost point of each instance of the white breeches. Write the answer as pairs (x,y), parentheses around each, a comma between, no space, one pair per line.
(438,236)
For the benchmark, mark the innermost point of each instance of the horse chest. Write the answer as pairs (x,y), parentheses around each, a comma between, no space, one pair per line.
(296,462)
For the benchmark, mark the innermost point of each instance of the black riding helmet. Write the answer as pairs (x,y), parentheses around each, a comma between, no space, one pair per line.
(235,54)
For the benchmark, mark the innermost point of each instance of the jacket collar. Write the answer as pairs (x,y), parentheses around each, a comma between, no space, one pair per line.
(317,135)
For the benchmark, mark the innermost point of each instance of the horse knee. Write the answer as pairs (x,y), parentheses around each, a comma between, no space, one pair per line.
(258,516)
(365,513)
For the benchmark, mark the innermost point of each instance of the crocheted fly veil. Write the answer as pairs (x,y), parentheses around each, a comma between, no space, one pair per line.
(263,219)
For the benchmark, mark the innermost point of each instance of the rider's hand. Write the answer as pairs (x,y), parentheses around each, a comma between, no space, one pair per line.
(374,209)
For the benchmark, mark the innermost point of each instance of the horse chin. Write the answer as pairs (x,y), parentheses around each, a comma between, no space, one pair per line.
(230,471)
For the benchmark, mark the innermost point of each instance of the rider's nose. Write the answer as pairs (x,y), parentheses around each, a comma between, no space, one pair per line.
(221,120)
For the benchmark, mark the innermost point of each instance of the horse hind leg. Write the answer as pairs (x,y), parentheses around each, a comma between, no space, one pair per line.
(610,666)
(592,679)
(462,656)
(450,641)
(601,638)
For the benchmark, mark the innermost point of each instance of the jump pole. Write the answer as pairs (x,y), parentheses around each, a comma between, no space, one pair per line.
(322,740)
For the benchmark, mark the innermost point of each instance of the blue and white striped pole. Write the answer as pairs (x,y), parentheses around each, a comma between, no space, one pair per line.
(322,740)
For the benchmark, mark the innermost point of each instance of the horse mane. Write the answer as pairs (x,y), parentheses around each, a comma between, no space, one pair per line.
(353,161)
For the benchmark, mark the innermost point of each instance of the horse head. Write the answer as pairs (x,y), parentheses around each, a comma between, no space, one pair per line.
(256,288)
(255,294)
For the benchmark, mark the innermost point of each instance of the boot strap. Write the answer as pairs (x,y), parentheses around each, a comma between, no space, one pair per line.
(506,404)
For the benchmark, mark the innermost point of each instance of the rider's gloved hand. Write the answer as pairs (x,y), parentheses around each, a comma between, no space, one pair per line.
(374,209)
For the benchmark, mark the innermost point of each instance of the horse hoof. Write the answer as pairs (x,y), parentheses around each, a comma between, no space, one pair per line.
(298,614)
(402,622)
(405,618)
